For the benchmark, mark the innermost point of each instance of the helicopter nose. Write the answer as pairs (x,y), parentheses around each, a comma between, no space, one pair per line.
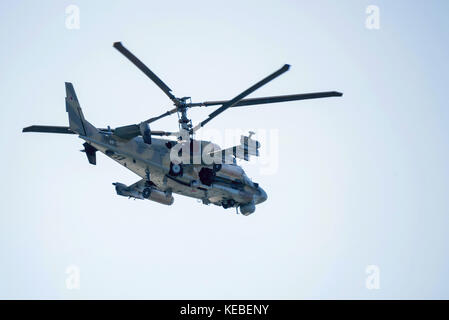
(261,196)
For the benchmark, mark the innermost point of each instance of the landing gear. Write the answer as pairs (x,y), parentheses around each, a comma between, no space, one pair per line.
(146,193)
(147,178)
(228,204)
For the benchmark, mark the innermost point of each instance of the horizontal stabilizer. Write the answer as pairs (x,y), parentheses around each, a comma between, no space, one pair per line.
(66,130)
(48,129)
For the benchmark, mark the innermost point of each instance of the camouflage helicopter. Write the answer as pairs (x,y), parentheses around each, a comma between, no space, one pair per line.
(193,168)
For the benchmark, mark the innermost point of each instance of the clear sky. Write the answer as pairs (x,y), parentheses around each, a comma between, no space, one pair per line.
(361,180)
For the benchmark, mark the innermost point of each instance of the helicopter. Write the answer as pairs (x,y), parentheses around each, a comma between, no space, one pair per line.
(193,168)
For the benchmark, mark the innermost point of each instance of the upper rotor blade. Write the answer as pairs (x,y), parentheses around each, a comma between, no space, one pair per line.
(275,99)
(139,64)
(233,102)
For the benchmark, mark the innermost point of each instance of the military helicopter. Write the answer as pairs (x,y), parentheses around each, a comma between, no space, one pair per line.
(185,166)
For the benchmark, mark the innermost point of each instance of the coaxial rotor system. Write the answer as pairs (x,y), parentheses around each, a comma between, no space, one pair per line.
(181,105)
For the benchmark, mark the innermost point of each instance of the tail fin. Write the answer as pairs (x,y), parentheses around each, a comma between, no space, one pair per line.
(77,123)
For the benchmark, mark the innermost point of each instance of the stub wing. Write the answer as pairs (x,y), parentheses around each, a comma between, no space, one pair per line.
(144,190)
(138,185)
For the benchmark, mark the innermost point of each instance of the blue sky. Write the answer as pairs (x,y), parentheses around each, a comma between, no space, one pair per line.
(362,179)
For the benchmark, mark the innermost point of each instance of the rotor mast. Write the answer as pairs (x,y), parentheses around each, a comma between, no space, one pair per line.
(184,122)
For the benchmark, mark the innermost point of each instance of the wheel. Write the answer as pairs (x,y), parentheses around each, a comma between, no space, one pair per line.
(146,193)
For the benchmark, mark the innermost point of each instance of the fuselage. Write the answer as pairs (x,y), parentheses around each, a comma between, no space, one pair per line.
(223,183)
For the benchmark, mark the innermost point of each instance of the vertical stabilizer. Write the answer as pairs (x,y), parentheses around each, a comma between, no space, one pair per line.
(77,123)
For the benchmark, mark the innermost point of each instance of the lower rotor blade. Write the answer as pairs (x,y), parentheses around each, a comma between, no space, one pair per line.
(133,130)
(127,132)
(163,133)
(162,115)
